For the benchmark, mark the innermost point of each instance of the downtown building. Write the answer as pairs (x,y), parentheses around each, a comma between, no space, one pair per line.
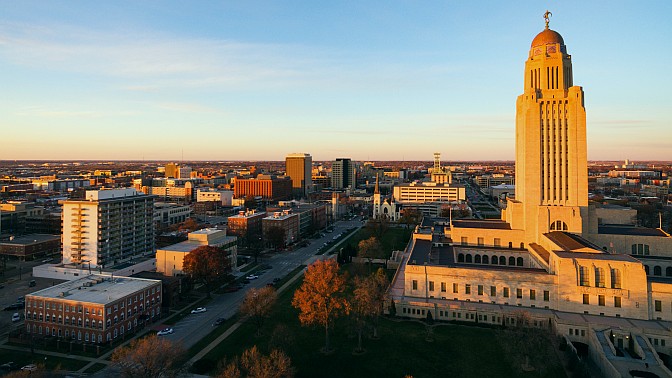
(343,174)
(270,188)
(108,227)
(93,309)
(550,255)
(299,167)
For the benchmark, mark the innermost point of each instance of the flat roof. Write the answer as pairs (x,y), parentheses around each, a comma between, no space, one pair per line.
(185,246)
(595,256)
(31,239)
(617,229)
(96,288)
(482,223)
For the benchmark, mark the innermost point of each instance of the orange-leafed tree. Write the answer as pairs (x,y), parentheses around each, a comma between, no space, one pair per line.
(151,356)
(257,305)
(321,298)
(206,264)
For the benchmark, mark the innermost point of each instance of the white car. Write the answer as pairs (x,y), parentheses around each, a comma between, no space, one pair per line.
(31,367)
(16,317)
(199,310)
(252,277)
(165,331)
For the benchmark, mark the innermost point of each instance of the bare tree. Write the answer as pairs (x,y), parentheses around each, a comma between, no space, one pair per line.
(257,305)
(255,364)
(151,357)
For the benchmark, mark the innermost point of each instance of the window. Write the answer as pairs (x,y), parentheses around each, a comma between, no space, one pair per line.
(600,300)
(494,260)
(520,261)
(506,292)
(615,278)
(502,260)
(583,276)
(657,271)
(460,257)
(493,291)
(533,295)
(497,242)
(485,259)
(512,261)
(519,293)
(547,296)
(640,249)
(415,284)
(658,306)
(617,301)
(480,241)
(468,258)
(480,289)
(464,240)
(431,285)
(443,287)
(586,299)
(455,288)
(599,277)
(558,226)
(477,259)
(668,271)
(467,289)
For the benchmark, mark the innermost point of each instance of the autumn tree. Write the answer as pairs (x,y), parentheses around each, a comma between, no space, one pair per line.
(206,264)
(257,305)
(370,249)
(189,225)
(253,363)
(410,217)
(321,297)
(151,356)
(368,302)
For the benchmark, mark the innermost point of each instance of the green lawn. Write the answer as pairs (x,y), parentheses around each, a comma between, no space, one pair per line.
(457,351)
(51,363)
(393,239)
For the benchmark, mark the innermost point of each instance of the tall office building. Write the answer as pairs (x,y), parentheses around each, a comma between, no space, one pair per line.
(171,170)
(342,174)
(108,227)
(299,168)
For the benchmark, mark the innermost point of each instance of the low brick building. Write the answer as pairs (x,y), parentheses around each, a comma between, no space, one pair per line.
(29,247)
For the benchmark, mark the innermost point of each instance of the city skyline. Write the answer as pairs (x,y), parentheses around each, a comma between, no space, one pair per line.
(256,81)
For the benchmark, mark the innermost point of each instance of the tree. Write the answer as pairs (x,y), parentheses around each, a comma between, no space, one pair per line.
(206,264)
(189,225)
(276,237)
(254,364)
(257,305)
(368,300)
(410,217)
(370,249)
(530,347)
(150,356)
(321,298)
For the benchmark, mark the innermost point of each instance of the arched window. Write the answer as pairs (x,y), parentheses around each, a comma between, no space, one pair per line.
(519,261)
(510,244)
(477,259)
(657,271)
(646,269)
(599,277)
(668,271)
(558,226)
(460,257)
(468,258)
(502,260)
(522,245)
(615,278)
(494,260)
(485,259)
(583,276)
(512,261)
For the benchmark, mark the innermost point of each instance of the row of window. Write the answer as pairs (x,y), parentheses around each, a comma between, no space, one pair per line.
(600,281)
(480,289)
(601,300)
(658,270)
(497,242)
(492,260)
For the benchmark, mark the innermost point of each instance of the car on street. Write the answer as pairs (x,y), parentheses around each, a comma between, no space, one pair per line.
(31,367)
(8,367)
(199,310)
(15,306)
(165,331)
(218,322)
(252,277)
(16,317)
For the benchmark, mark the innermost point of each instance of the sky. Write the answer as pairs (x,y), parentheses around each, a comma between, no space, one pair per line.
(368,80)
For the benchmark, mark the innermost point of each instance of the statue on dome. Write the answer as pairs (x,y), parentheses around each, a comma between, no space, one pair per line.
(546,17)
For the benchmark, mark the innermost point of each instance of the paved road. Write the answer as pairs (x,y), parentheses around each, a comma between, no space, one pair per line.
(194,327)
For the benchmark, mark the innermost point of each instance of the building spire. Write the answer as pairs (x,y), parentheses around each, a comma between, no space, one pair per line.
(546,17)
(376,190)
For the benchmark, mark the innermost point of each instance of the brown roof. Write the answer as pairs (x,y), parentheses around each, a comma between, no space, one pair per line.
(541,251)
(492,224)
(569,242)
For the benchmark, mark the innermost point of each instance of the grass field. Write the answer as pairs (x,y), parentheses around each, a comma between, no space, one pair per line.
(49,362)
(456,350)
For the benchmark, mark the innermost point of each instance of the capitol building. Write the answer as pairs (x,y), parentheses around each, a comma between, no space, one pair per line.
(587,273)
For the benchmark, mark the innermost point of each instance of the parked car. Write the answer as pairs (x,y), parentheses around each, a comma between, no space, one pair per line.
(8,367)
(218,322)
(31,367)
(252,277)
(16,317)
(165,331)
(276,280)
(15,306)
(199,310)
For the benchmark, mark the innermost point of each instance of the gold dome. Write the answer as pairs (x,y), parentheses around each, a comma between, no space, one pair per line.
(547,37)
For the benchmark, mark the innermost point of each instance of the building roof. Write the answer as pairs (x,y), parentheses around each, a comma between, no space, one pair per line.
(31,239)
(482,223)
(618,229)
(595,256)
(568,241)
(547,37)
(96,289)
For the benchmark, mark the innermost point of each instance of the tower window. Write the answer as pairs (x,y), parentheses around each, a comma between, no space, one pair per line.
(558,226)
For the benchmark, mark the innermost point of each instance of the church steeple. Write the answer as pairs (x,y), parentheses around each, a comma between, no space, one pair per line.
(376,189)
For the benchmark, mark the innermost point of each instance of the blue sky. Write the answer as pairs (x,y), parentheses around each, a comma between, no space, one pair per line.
(369,80)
